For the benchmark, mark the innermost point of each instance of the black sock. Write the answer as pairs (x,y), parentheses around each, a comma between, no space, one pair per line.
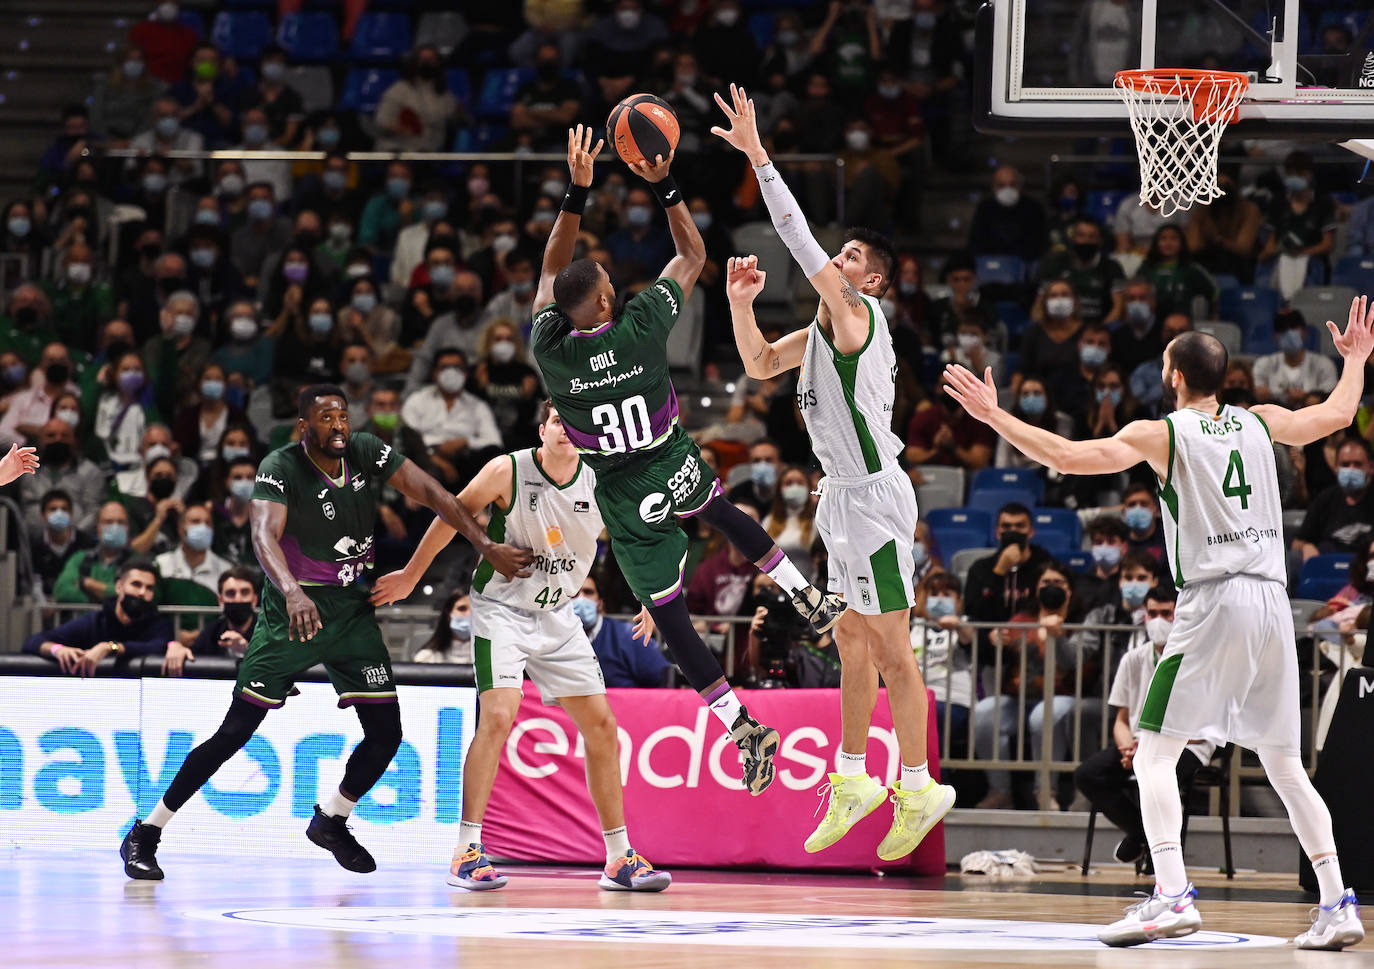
(242,720)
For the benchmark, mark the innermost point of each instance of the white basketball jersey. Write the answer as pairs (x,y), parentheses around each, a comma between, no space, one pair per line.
(560,524)
(1220,502)
(846,399)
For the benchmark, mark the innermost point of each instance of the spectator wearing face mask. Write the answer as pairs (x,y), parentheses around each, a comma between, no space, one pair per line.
(641,246)
(457,327)
(157,443)
(29,409)
(27,325)
(154,517)
(201,423)
(208,96)
(759,490)
(167,135)
(79,303)
(1181,285)
(292,289)
(516,302)
(971,350)
(1109,539)
(237,596)
(61,466)
(355,365)
(366,319)
(21,234)
(546,106)
(457,426)
(625,661)
(128,624)
(1135,226)
(1138,338)
(1106,778)
(247,355)
(1288,376)
(1341,517)
(322,276)
(333,192)
(56,539)
(411,241)
(791,520)
(281,106)
(123,101)
(1050,344)
(89,575)
(263,233)
(193,558)
(435,291)
(943,643)
(624,38)
(451,640)
(1138,577)
(165,41)
(233,538)
(1034,404)
(124,410)
(211,275)
(721,583)
(387,211)
(1076,384)
(1146,383)
(1097,280)
(1008,222)
(1140,512)
(415,112)
(1301,227)
(309,346)
(175,359)
(508,383)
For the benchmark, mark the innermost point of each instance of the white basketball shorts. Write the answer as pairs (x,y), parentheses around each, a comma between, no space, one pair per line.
(868,525)
(550,645)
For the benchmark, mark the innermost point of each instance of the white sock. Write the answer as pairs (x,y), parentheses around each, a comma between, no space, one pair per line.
(726,707)
(338,806)
(851,765)
(160,815)
(787,575)
(1329,882)
(469,833)
(1170,874)
(617,843)
(916,778)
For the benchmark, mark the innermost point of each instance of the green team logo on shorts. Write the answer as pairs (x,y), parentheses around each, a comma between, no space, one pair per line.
(655,508)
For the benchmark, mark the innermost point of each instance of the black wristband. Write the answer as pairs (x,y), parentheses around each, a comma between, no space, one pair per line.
(576,199)
(666,190)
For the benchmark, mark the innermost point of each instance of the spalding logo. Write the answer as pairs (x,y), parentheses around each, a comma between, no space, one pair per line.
(654,508)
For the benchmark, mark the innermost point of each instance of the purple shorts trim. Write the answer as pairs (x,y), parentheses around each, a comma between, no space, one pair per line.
(261,703)
(716,491)
(346,702)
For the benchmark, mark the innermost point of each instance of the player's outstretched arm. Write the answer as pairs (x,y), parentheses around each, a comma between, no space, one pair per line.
(267,522)
(415,484)
(847,310)
(686,265)
(1338,410)
(558,252)
(491,486)
(1136,442)
(743,283)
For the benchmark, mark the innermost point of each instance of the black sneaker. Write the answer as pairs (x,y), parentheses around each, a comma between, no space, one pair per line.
(139,852)
(758,744)
(818,608)
(333,835)
(1129,850)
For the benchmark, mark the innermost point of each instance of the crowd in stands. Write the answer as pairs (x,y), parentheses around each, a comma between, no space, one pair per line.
(161,312)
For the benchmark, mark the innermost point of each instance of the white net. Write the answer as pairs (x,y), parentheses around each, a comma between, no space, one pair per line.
(1178,118)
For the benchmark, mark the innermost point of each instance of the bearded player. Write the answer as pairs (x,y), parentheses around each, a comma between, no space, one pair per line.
(867,511)
(1229,673)
(542,499)
(314,514)
(609,380)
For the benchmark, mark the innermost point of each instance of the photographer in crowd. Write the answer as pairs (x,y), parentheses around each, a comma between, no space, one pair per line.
(783,648)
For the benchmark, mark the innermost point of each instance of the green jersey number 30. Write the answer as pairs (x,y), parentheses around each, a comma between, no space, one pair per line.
(635,414)
(1233,485)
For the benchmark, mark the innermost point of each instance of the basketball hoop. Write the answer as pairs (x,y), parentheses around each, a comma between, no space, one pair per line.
(1178,118)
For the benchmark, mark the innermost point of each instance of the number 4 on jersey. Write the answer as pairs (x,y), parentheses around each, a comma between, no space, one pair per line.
(1235,472)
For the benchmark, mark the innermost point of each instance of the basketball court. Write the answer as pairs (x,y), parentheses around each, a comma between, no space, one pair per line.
(69,909)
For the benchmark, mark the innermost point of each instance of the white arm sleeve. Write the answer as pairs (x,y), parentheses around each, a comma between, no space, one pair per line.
(789,221)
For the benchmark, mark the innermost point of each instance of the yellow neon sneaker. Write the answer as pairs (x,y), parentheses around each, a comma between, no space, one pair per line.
(851,800)
(914,813)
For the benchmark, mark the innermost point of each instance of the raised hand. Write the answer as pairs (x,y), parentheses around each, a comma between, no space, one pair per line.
(655,171)
(17,463)
(744,280)
(1356,343)
(978,397)
(581,154)
(743,132)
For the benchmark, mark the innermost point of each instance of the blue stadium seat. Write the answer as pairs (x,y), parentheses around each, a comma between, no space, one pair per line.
(1356,272)
(956,528)
(1322,576)
(762,26)
(310,37)
(1057,526)
(1226,281)
(1015,479)
(1102,206)
(1014,316)
(1001,269)
(194,20)
(380,37)
(363,88)
(1079,562)
(478,137)
(499,89)
(992,499)
(1252,308)
(241,34)
(459,84)
(952,540)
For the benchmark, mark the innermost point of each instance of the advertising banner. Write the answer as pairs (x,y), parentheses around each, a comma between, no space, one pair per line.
(684,802)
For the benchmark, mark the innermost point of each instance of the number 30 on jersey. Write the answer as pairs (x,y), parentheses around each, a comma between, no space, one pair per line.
(629,421)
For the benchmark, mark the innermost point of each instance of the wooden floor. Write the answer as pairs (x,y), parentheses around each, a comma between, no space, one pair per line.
(77,909)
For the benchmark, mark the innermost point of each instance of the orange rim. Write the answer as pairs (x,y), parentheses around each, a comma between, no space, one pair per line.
(1210,92)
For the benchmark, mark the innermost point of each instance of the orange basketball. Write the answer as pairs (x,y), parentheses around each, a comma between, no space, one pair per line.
(642,127)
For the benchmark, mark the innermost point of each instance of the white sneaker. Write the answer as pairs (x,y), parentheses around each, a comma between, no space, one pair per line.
(1335,927)
(1158,917)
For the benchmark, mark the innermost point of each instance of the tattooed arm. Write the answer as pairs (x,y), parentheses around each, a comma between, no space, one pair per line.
(744,281)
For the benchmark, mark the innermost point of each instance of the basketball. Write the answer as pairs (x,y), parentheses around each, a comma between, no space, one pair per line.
(642,127)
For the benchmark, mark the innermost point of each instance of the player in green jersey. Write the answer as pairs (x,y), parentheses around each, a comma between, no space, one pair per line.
(314,514)
(609,380)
